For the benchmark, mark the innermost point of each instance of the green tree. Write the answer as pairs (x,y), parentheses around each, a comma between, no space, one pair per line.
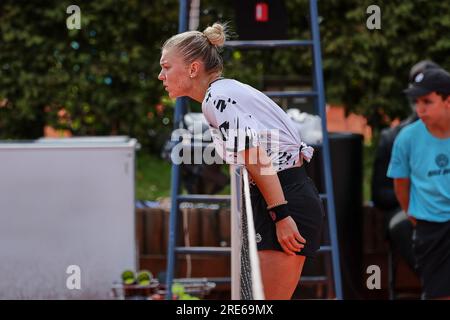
(364,70)
(103,76)
(367,70)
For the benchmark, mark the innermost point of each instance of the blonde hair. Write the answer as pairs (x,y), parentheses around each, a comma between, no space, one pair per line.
(204,46)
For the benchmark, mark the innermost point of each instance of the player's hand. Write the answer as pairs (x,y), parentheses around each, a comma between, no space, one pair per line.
(288,236)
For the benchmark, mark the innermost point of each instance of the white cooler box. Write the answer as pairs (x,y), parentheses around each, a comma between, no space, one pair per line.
(67,227)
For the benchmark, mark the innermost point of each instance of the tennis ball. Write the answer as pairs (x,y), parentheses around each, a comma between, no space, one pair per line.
(144,277)
(128,277)
(177,289)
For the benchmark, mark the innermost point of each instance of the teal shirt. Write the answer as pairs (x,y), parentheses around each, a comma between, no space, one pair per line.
(425,160)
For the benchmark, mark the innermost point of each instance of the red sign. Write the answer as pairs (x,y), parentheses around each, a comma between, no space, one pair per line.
(262,12)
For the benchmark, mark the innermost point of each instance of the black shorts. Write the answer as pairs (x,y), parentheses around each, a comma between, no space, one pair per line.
(431,242)
(304,205)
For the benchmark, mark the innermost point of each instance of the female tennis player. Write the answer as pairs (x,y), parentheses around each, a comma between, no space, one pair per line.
(248,127)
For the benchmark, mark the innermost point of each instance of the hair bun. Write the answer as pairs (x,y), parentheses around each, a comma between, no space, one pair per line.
(215,34)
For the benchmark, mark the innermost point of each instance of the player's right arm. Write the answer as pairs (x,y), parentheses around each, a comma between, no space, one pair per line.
(399,169)
(402,188)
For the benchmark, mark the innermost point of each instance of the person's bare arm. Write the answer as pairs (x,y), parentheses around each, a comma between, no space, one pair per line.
(402,187)
(260,168)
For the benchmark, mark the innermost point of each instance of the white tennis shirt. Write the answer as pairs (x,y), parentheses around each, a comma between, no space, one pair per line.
(241,117)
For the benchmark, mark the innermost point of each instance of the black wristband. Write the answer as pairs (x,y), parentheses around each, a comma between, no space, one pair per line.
(279,212)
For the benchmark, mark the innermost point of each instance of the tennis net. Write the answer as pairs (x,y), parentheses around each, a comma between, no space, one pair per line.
(246,283)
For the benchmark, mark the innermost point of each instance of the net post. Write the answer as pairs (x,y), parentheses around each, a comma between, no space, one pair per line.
(235,234)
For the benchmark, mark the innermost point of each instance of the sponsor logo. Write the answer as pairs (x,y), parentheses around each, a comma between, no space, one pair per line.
(441,160)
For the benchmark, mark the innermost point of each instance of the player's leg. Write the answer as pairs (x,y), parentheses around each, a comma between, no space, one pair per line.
(280,273)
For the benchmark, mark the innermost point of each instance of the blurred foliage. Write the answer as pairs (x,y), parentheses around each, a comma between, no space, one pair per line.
(366,70)
(152,177)
(101,80)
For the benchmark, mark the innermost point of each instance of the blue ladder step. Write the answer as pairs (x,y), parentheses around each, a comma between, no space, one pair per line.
(325,249)
(323,196)
(204,198)
(313,279)
(203,250)
(289,94)
(220,280)
(203,279)
(261,44)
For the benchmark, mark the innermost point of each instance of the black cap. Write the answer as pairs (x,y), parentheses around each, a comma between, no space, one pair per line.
(421,66)
(431,80)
